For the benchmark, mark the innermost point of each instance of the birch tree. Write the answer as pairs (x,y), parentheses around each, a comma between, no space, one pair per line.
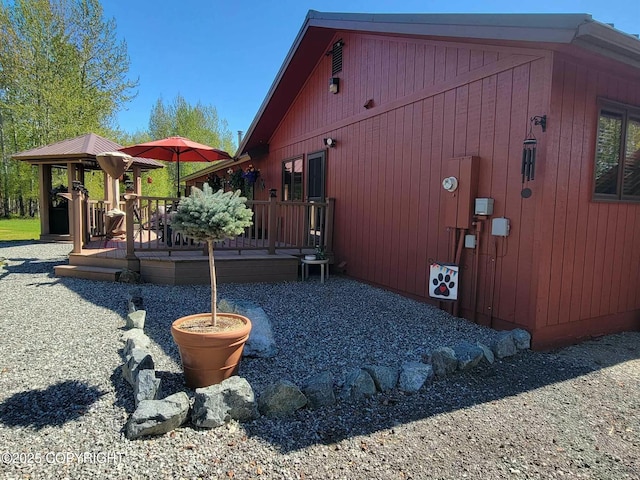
(63,73)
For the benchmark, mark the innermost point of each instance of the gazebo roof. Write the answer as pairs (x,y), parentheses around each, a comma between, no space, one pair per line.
(82,149)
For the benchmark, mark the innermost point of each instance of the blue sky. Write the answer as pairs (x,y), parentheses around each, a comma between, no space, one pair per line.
(227,53)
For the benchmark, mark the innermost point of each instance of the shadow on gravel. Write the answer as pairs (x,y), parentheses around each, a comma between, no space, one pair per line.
(31,266)
(27,265)
(509,377)
(54,406)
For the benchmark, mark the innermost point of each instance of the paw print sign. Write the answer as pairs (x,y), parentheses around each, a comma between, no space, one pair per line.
(443,281)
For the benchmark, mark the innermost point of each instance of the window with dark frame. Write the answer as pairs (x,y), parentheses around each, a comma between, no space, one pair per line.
(292,180)
(617,162)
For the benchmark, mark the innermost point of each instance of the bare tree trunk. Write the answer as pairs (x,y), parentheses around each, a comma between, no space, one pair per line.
(214,285)
(5,172)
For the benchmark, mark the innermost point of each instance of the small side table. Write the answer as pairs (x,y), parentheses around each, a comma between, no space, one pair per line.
(324,268)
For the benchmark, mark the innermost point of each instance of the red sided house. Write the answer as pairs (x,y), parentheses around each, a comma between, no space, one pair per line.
(507,146)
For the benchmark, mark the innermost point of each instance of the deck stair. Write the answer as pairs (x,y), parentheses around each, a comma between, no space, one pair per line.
(88,272)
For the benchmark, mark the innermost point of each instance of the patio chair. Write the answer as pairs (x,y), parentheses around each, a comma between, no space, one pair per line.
(156,222)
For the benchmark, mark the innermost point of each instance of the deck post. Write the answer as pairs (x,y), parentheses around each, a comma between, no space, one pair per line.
(328,227)
(130,202)
(76,220)
(272,224)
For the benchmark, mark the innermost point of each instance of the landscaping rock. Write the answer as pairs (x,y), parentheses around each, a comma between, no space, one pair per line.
(413,375)
(487,353)
(134,338)
(319,390)
(147,386)
(444,361)
(134,332)
(384,378)
(280,399)
(135,300)
(504,346)
(522,338)
(261,343)
(357,386)
(155,417)
(129,276)
(136,319)
(233,399)
(468,355)
(137,360)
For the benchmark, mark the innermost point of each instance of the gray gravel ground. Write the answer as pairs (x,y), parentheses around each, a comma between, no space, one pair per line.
(573,413)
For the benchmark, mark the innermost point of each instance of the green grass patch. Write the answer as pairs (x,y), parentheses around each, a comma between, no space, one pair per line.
(19,228)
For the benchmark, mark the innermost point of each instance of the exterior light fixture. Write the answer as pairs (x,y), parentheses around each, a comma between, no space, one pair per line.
(273,192)
(334,84)
(329,142)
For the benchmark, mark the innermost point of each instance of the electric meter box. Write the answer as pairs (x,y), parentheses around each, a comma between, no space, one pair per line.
(484,206)
(500,227)
(469,241)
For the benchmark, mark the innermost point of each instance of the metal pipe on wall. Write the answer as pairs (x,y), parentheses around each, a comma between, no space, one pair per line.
(476,264)
(462,231)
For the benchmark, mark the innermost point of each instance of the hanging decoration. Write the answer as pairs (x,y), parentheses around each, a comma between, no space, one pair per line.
(528,168)
(443,281)
(251,174)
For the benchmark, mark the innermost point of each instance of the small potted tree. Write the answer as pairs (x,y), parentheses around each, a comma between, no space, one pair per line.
(211,343)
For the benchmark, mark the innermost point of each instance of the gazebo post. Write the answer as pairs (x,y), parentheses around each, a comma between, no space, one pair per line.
(137,180)
(106,181)
(76,230)
(44,173)
(73,218)
(131,200)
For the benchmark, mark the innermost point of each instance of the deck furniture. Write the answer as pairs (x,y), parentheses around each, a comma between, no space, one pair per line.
(324,267)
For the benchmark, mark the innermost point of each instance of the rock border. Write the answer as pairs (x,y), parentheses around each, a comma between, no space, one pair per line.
(235,400)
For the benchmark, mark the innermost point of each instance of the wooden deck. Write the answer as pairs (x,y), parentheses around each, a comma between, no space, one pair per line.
(268,251)
(104,260)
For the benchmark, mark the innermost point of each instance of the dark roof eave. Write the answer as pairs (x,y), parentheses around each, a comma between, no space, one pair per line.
(87,160)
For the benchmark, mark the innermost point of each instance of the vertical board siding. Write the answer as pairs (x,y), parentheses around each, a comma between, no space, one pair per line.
(593,260)
(512,245)
(560,264)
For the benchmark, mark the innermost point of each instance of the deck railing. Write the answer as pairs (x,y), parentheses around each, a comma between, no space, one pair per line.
(277,225)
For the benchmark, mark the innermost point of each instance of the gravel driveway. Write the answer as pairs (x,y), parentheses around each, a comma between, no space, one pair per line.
(572,413)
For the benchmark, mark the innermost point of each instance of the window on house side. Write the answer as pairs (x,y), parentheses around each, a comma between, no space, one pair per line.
(292,180)
(617,165)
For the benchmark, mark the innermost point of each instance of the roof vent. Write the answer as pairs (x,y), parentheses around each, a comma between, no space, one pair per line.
(336,57)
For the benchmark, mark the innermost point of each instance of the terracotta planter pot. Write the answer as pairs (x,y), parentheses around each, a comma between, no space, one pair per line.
(210,358)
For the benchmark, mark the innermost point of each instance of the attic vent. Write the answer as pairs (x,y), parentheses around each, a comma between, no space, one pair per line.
(336,57)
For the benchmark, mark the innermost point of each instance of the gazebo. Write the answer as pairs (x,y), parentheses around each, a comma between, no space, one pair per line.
(76,155)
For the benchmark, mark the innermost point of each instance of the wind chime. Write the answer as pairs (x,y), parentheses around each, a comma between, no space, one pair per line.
(530,144)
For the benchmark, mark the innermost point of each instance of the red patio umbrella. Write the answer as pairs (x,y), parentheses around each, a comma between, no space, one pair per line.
(176,149)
